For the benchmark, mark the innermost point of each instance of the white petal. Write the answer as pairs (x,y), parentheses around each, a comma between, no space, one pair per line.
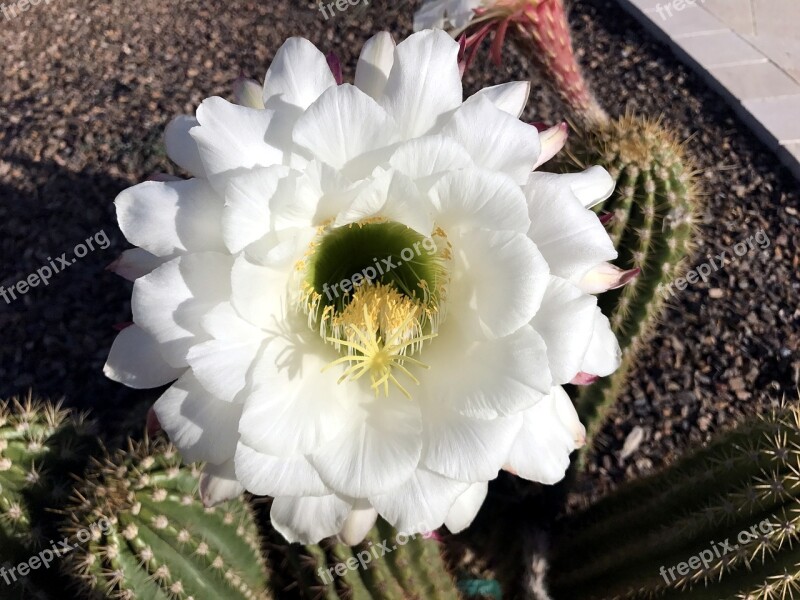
(222,364)
(424,83)
(420,504)
(259,293)
(466,507)
(552,140)
(135,360)
(321,192)
(509,97)
(357,525)
(248,92)
(218,484)
(505,279)
(309,520)
(165,218)
(232,139)
(603,355)
(267,475)
(135,263)
(181,147)
(494,139)
(430,15)
(343,125)
(375,64)
(170,302)
(281,249)
(476,198)
(565,320)
(375,456)
(427,158)
(203,428)
(592,186)
(295,407)
(570,237)
(247,216)
(541,449)
(393,196)
(298,75)
(566,412)
(490,378)
(467,449)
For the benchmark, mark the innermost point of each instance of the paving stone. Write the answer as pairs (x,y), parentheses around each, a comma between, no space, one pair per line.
(777,18)
(780,116)
(648,5)
(753,81)
(721,49)
(785,52)
(736,14)
(680,20)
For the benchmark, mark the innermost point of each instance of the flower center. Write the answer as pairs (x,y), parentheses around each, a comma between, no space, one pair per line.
(375,291)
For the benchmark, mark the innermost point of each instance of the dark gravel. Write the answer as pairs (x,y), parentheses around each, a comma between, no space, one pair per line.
(88,86)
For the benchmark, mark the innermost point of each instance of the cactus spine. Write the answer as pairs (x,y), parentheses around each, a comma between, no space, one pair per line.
(544,31)
(152,538)
(39,445)
(736,502)
(654,215)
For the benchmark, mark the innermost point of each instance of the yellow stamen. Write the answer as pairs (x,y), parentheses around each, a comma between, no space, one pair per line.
(377,313)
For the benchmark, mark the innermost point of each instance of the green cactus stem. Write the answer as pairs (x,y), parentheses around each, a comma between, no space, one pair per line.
(380,567)
(40,444)
(729,513)
(151,537)
(654,213)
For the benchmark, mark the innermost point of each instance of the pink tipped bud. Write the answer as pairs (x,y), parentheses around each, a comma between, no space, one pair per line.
(552,141)
(248,92)
(335,67)
(606,218)
(606,276)
(584,379)
(462,55)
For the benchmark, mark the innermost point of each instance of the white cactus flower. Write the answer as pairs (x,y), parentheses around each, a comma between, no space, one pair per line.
(366,299)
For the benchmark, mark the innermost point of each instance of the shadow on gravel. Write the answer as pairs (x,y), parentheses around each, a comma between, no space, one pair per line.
(56,336)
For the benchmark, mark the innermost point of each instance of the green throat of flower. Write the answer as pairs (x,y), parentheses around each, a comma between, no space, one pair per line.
(375,290)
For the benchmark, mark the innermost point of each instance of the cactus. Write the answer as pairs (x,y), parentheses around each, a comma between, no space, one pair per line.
(653,219)
(380,567)
(541,30)
(734,506)
(152,538)
(40,444)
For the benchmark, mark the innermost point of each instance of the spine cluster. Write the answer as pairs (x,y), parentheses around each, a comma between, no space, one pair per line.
(654,211)
(162,542)
(721,524)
